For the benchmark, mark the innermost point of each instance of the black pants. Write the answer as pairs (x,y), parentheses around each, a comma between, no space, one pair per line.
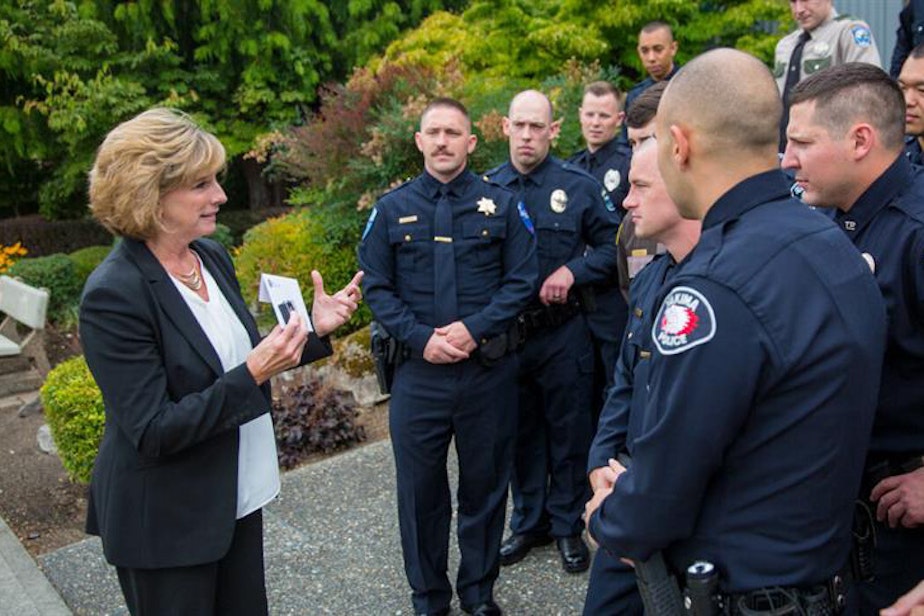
(432,405)
(232,585)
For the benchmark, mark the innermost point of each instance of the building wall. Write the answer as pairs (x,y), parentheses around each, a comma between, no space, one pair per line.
(882,17)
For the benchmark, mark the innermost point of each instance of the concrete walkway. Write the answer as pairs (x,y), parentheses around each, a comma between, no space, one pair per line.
(331,544)
(24,591)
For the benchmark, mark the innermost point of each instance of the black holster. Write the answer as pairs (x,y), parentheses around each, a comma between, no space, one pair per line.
(385,354)
(862,560)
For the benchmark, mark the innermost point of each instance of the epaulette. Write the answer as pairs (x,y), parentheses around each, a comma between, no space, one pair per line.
(572,168)
(845,17)
(571,159)
(388,191)
(487,174)
(489,180)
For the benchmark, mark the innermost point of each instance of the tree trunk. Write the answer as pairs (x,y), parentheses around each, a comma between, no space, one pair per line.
(258,194)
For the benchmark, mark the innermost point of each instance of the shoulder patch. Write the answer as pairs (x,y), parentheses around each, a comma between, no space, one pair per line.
(370,222)
(685,320)
(524,216)
(861,35)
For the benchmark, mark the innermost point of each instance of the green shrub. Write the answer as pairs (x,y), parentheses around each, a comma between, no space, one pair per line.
(47,237)
(56,273)
(292,245)
(222,235)
(74,408)
(87,259)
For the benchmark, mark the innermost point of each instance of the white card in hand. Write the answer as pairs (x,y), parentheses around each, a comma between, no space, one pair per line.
(284,294)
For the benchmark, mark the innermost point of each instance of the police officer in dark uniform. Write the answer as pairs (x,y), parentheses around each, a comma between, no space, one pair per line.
(612,588)
(607,159)
(570,214)
(450,261)
(656,49)
(633,253)
(909,35)
(911,82)
(845,147)
(759,392)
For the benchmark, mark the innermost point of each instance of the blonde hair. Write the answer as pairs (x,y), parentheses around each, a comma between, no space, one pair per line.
(142,159)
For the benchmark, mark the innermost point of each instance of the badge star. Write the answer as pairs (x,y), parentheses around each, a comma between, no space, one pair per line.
(487,206)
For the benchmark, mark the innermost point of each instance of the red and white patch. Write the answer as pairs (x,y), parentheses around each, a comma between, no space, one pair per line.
(685,320)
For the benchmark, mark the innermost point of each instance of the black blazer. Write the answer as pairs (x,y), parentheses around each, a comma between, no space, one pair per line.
(164,486)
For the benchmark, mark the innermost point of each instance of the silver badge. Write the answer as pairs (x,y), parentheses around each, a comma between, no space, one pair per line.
(869,261)
(612,179)
(821,48)
(559,201)
(487,206)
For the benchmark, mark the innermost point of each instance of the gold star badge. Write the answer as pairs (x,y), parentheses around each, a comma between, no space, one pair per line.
(487,206)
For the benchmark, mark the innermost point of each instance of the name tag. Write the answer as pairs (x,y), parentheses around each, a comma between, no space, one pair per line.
(406,219)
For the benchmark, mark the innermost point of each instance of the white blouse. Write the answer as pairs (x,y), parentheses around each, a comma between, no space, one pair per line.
(257,466)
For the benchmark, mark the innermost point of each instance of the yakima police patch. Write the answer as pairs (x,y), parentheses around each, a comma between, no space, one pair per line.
(685,320)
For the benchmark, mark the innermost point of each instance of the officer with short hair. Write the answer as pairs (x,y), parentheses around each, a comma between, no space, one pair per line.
(607,159)
(570,214)
(634,253)
(845,148)
(911,82)
(657,50)
(822,39)
(450,260)
(612,588)
(759,393)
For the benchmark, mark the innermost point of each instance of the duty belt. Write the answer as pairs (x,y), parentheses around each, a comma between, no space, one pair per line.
(880,467)
(534,320)
(826,599)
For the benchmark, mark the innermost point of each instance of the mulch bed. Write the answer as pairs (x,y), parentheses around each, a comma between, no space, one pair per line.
(41,505)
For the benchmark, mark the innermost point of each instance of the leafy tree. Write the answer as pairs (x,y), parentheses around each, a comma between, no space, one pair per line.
(59,95)
(503,39)
(365,27)
(72,69)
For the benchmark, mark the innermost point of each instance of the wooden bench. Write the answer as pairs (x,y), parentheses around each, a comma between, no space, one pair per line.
(22,330)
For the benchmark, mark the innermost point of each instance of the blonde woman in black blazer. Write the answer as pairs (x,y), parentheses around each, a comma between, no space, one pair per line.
(184,376)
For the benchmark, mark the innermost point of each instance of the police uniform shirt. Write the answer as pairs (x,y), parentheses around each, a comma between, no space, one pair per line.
(569,213)
(913,150)
(887,226)
(644,85)
(909,35)
(837,40)
(494,256)
(619,421)
(610,166)
(633,253)
(764,392)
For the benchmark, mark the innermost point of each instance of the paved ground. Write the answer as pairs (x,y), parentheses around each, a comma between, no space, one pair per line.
(332,548)
(24,591)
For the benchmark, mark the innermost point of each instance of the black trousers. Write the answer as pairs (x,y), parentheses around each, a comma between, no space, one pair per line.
(432,405)
(230,586)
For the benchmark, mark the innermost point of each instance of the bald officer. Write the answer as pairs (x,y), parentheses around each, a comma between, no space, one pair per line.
(759,393)
(570,215)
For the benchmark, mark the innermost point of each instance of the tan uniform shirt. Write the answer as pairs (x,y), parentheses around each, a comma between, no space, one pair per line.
(836,40)
(632,253)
